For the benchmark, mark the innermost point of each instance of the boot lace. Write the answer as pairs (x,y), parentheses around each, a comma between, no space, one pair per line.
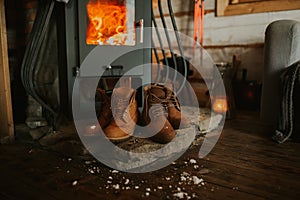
(158,110)
(173,102)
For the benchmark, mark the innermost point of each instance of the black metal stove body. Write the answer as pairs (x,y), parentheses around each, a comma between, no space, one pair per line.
(78,45)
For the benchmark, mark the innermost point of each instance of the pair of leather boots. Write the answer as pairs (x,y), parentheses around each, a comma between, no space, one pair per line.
(119,114)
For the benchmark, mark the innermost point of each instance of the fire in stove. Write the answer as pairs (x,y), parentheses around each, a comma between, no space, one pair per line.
(110,22)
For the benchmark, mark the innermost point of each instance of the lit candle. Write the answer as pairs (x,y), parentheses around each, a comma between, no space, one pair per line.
(220,105)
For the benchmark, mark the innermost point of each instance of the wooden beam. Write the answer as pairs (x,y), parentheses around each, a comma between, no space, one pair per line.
(221,6)
(224,8)
(185,13)
(6,116)
(248,1)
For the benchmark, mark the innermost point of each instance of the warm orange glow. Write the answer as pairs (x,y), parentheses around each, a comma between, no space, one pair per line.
(107,24)
(220,105)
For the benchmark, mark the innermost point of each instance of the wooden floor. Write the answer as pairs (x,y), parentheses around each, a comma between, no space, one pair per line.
(245,164)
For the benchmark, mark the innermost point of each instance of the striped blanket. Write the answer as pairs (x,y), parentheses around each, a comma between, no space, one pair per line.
(290,105)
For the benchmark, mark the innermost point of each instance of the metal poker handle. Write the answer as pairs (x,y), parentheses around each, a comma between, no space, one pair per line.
(140,24)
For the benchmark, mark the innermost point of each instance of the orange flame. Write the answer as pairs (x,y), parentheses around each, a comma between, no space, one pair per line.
(107,24)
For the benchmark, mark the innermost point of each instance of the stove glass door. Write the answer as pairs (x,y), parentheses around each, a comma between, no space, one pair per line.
(110,22)
(118,29)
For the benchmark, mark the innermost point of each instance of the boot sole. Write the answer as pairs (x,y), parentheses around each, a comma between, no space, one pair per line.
(119,139)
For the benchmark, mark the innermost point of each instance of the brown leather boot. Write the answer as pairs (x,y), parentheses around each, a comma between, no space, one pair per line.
(104,114)
(155,113)
(176,118)
(125,114)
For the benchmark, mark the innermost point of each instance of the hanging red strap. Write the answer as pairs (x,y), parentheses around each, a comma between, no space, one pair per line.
(198,21)
(201,32)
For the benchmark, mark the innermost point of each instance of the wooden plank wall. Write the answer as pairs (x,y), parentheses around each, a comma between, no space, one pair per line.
(237,7)
(240,35)
(6,117)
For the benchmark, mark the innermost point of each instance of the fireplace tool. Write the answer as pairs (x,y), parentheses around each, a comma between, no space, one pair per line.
(178,63)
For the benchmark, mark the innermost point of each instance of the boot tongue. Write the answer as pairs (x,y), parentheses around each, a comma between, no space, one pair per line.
(120,100)
(158,92)
(169,91)
(122,93)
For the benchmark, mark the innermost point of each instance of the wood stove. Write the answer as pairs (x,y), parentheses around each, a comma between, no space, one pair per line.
(113,26)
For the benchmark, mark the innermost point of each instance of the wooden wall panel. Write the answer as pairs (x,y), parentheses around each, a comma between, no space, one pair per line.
(6,118)
(227,7)
(239,35)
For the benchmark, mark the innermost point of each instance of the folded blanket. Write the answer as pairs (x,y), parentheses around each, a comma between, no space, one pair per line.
(289,111)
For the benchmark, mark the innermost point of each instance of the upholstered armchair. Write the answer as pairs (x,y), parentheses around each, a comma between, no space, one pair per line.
(282,48)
